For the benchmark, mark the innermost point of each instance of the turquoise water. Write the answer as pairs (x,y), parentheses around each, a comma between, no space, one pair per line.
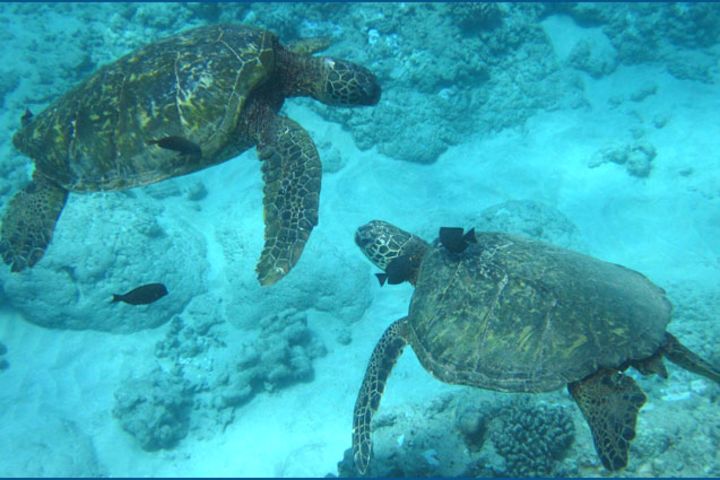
(592,127)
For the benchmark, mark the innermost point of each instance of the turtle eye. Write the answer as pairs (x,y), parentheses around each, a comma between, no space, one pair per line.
(361,240)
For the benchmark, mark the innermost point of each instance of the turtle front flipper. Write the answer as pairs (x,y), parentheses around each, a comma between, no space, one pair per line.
(682,356)
(292,172)
(381,363)
(29,222)
(610,403)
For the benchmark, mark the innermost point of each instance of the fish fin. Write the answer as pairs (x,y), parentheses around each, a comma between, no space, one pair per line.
(116,298)
(469,236)
(382,278)
(26,118)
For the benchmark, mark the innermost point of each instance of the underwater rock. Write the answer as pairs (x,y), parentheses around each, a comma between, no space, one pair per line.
(192,190)
(472,421)
(4,364)
(329,279)
(436,138)
(637,157)
(333,161)
(72,286)
(196,192)
(529,218)
(589,57)
(643,92)
(155,409)
(9,81)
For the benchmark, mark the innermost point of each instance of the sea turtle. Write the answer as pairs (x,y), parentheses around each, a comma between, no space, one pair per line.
(516,315)
(176,106)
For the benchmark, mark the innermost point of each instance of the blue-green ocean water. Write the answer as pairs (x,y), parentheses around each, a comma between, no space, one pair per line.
(593,127)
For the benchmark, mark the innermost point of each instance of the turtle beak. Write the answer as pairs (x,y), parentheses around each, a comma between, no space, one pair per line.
(362,240)
(371,89)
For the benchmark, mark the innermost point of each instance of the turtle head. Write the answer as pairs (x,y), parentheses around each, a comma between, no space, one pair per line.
(328,80)
(397,252)
(344,83)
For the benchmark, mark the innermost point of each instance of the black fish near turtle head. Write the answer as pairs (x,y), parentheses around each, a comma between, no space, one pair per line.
(398,271)
(454,240)
(142,295)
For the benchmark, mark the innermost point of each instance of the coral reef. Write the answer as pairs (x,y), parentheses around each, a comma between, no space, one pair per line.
(681,36)
(155,410)
(479,69)
(475,16)
(532,437)
(208,369)
(471,433)
(281,355)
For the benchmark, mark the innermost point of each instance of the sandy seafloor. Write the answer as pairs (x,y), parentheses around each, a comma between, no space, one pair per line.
(59,392)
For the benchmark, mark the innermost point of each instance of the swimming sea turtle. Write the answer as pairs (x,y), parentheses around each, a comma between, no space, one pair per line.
(516,315)
(176,106)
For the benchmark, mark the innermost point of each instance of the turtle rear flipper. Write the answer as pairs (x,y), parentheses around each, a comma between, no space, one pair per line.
(610,403)
(292,172)
(29,222)
(382,361)
(682,356)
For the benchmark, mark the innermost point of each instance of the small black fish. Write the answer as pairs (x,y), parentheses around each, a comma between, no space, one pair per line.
(178,144)
(142,295)
(454,240)
(397,271)
(27,116)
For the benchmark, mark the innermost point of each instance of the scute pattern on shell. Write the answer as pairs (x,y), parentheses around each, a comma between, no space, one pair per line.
(511,314)
(192,85)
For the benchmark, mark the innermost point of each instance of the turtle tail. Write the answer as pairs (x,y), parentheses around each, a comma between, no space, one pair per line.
(381,363)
